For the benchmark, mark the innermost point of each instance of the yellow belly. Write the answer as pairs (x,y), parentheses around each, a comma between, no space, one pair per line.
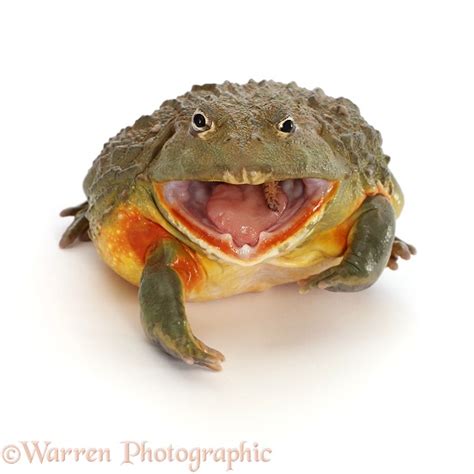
(127,236)
(225,280)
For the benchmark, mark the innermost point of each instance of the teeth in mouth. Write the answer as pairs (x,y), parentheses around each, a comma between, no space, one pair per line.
(264,235)
(200,194)
(227,237)
(293,188)
(245,250)
(244,217)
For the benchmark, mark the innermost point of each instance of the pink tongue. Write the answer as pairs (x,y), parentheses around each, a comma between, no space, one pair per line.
(241,211)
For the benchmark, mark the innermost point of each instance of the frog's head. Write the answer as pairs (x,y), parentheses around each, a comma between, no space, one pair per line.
(246,174)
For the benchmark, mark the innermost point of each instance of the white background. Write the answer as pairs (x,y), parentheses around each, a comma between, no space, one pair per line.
(374,382)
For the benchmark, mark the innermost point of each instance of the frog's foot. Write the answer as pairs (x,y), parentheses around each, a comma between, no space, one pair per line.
(189,349)
(400,249)
(79,228)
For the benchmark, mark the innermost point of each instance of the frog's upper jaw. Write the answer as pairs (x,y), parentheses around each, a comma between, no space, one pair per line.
(244,223)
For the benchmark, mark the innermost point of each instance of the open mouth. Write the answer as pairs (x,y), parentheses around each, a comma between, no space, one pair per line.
(244,220)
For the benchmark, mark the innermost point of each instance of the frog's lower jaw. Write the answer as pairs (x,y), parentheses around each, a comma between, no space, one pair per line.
(242,223)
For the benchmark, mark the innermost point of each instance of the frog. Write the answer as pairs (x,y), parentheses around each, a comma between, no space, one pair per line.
(233,188)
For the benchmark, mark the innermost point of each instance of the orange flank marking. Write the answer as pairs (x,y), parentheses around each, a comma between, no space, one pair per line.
(136,233)
(127,238)
(379,189)
(188,269)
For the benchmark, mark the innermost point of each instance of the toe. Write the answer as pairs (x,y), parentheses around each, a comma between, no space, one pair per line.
(412,249)
(210,351)
(392,263)
(207,360)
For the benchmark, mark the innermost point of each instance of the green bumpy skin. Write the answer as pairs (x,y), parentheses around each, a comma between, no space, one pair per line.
(256,141)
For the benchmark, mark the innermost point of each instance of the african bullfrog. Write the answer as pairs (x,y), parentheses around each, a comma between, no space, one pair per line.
(234,188)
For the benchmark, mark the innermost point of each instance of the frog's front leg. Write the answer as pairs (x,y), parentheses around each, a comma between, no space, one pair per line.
(163,316)
(368,252)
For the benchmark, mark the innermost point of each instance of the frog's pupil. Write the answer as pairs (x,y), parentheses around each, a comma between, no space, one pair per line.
(287,126)
(199,120)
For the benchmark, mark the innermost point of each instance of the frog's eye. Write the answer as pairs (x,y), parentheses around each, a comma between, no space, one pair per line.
(200,122)
(287,125)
